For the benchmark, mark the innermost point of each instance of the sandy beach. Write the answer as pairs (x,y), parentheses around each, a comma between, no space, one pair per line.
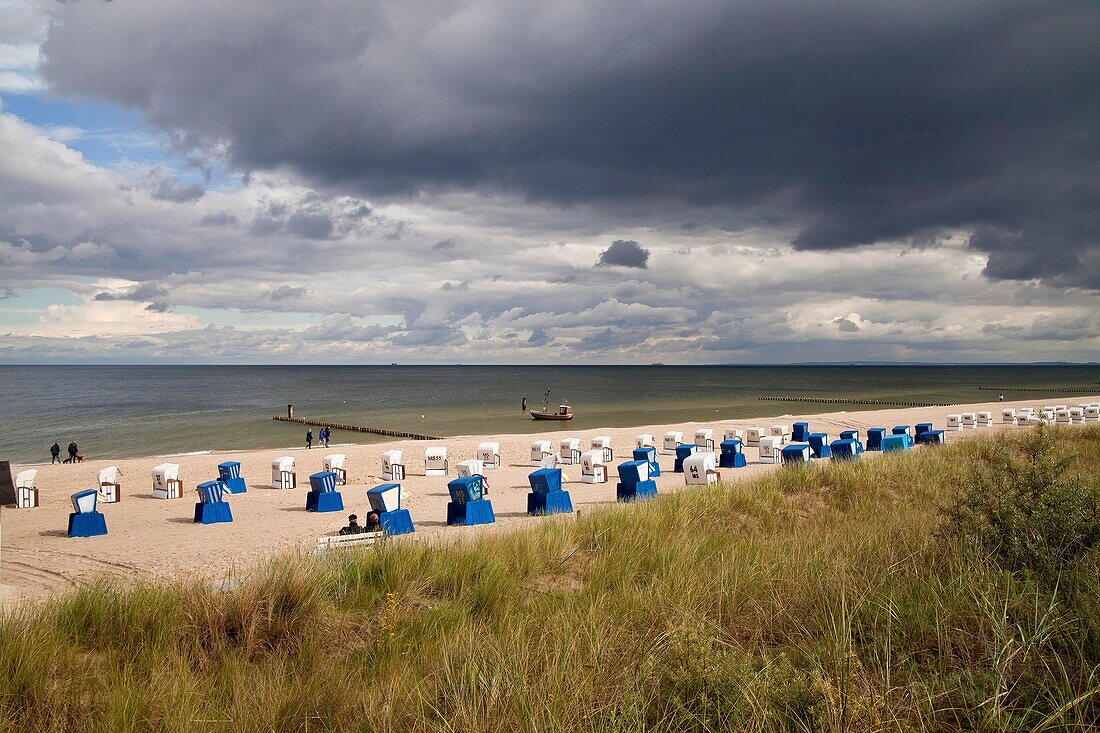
(151,537)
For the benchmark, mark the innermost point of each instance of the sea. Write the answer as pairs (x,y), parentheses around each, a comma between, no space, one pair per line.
(124,411)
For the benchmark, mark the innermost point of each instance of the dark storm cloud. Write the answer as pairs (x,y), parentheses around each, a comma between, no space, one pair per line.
(624,253)
(851,122)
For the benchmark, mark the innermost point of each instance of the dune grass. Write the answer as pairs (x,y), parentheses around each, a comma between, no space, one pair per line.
(818,599)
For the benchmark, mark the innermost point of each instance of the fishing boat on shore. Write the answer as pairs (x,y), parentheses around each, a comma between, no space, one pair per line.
(564,411)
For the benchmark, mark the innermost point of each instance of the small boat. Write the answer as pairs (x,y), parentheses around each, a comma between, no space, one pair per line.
(565,411)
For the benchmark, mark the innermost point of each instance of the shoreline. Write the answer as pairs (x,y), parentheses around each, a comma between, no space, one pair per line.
(155,538)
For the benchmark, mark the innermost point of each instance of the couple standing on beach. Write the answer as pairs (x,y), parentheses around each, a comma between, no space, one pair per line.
(323,435)
(55,453)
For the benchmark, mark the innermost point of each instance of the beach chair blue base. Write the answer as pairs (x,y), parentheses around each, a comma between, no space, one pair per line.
(551,502)
(87,524)
(236,486)
(324,501)
(819,445)
(633,492)
(731,460)
(800,432)
(213,513)
(479,511)
(795,453)
(395,522)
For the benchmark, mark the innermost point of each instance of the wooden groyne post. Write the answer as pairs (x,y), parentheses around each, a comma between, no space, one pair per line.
(846,401)
(1055,390)
(354,428)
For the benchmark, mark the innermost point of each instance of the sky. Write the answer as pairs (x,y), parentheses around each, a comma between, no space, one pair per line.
(551,181)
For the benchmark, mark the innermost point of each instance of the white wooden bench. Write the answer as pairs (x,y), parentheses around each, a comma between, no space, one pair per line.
(340,541)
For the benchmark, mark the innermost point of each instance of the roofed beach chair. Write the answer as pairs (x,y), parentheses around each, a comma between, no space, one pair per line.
(229,473)
(682,452)
(488,452)
(212,508)
(26,493)
(283,475)
(335,463)
(570,450)
(322,495)
(645,440)
(393,465)
(672,439)
(701,469)
(795,453)
(435,461)
(800,432)
(635,481)
(593,467)
(603,442)
(86,520)
(649,453)
(540,449)
(385,501)
(166,481)
(110,490)
(468,505)
(547,496)
(704,439)
(769,448)
(470,467)
(732,454)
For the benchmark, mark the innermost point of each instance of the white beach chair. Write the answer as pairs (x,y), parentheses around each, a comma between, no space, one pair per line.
(1008,415)
(1077,415)
(335,463)
(435,461)
(969,420)
(570,450)
(1092,413)
(603,442)
(783,432)
(488,452)
(704,439)
(984,419)
(166,481)
(393,465)
(645,440)
(283,475)
(770,447)
(110,490)
(701,469)
(1062,417)
(954,422)
(26,493)
(540,449)
(673,438)
(593,467)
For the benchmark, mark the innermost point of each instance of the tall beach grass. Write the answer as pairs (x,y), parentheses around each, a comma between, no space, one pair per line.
(823,598)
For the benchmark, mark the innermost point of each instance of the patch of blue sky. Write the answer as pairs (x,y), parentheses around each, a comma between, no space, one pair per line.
(25,306)
(110,136)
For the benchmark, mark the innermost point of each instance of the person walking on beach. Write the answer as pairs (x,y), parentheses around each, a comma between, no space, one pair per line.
(55,453)
(328,436)
(309,439)
(73,450)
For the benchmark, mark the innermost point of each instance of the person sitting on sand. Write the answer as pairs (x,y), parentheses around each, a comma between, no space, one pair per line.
(55,453)
(353,526)
(372,523)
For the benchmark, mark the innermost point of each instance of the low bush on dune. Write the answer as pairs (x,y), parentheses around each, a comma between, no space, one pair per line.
(864,596)
(1020,506)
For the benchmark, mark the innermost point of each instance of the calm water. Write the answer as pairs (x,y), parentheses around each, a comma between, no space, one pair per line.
(136,410)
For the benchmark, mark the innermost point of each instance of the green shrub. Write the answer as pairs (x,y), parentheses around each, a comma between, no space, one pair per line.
(1025,512)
